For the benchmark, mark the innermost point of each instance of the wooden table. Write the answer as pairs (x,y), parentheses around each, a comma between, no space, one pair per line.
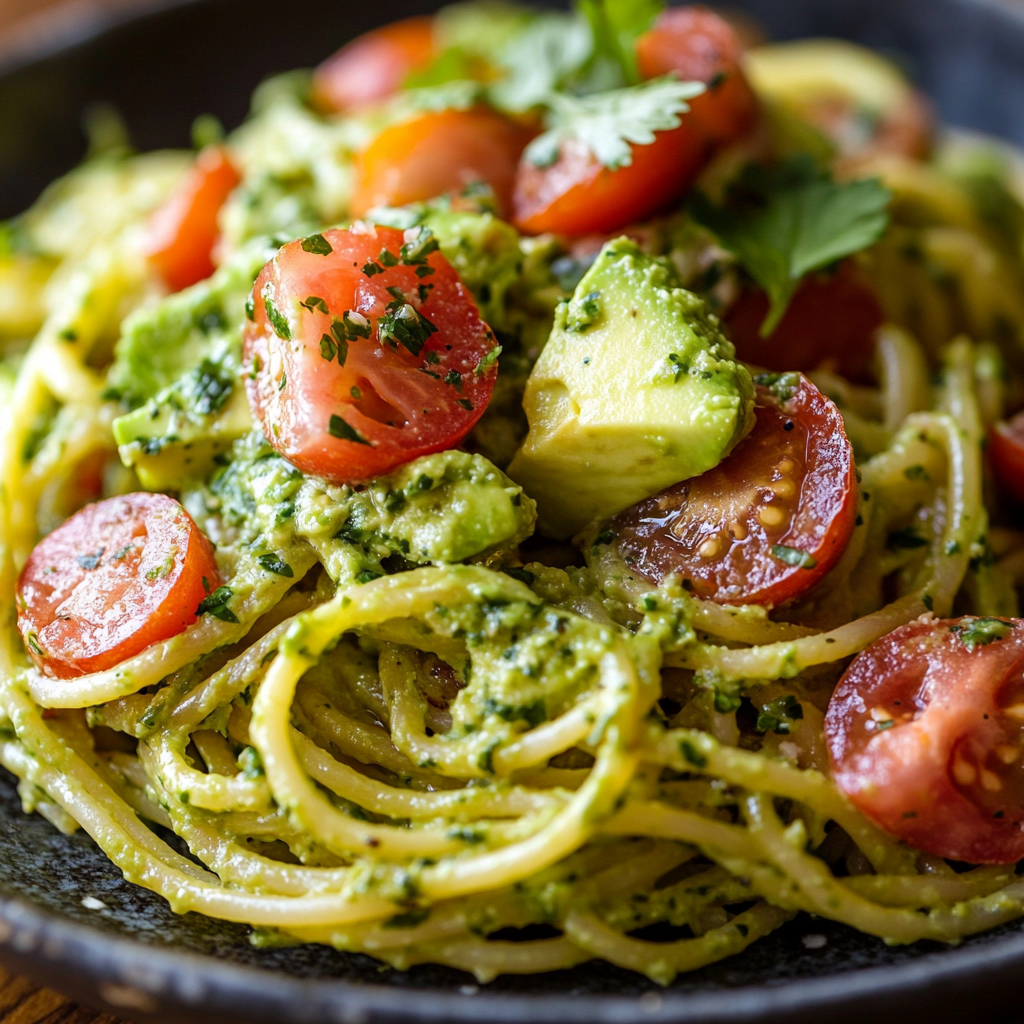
(22,1003)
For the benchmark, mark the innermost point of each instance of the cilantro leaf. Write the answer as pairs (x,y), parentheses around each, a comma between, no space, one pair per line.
(783,222)
(607,123)
(551,48)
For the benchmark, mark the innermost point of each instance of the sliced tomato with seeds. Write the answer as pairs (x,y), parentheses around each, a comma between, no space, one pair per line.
(183,233)
(925,733)
(1006,451)
(364,352)
(437,154)
(832,318)
(114,579)
(766,524)
(374,66)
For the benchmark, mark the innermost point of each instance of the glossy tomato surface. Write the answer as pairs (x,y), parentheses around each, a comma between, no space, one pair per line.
(1006,450)
(436,154)
(832,320)
(577,195)
(926,736)
(364,352)
(766,524)
(374,66)
(697,45)
(184,231)
(116,578)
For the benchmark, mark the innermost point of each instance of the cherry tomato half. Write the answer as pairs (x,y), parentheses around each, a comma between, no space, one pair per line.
(184,231)
(769,521)
(1006,450)
(436,154)
(832,317)
(699,46)
(926,736)
(116,578)
(579,196)
(365,351)
(374,66)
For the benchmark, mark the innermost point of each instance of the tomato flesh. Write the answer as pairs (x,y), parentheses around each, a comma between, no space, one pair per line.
(926,736)
(374,66)
(769,521)
(1006,450)
(183,233)
(385,359)
(114,579)
(436,154)
(832,318)
(578,196)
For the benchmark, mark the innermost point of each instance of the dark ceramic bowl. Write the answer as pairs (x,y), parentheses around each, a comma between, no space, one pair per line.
(123,950)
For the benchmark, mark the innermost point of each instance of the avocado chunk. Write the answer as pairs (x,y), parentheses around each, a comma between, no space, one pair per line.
(179,434)
(636,389)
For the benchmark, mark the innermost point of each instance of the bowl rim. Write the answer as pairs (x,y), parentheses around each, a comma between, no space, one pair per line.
(136,979)
(129,976)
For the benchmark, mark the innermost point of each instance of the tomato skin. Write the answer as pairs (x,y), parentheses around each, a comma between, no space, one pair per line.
(183,232)
(374,66)
(716,530)
(831,317)
(436,154)
(923,779)
(1006,450)
(578,196)
(88,609)
(409,404)
(699,46)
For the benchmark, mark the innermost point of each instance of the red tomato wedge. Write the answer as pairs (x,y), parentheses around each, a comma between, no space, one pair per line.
(925,733)
(767,523)
(436,154)
(374,66)
(365,352)
(832,318)
(184,231)
(1006,450)
(578,196)
(116,578)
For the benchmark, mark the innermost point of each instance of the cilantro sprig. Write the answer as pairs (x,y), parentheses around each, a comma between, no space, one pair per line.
(609,123)
(786,221)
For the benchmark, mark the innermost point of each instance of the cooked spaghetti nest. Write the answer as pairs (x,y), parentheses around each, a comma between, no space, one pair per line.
(415,766)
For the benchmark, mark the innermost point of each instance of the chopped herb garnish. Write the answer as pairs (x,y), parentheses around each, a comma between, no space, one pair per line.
(488,361)
(466,404)
(692,755)
(523,575)
(277,321)
(905,539)
(793,556)
(217,605)
(275,564)
(314,303)
(420,243)
(454,379)
(370,268)
(368,576)
(387,258)
(404,324)
(318,245)
(779,715)
(980,632)
(337,427)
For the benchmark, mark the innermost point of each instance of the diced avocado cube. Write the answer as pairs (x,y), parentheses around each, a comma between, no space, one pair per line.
(636,389)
